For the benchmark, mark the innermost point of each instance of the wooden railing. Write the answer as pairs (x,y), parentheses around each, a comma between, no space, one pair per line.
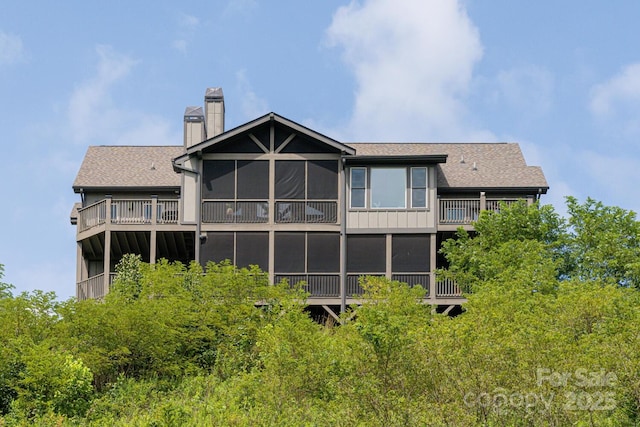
(447,288)
(92,215)
(323,212)
(413,279)
(129,211)
(318,285)
(459,211)
(93,287)
(465,211)
(233,211)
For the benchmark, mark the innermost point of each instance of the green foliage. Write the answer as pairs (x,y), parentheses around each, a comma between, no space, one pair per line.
(549,336)
(597,242)
(604,243)
(52,382)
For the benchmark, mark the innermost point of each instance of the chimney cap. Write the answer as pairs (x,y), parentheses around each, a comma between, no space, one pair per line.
(193,113)
(213,93)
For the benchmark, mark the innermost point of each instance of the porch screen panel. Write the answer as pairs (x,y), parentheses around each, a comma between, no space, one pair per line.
(218,179)
(289,252)
(410,253)
(290,179)
(366,253)
(253,179)
(323,179)
(323,252)
(218,247)
(252,249)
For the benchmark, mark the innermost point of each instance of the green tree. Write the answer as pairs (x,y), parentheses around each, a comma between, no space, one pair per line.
(604,243)
(476,257)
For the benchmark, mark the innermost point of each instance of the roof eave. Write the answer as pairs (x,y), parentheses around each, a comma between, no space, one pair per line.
(197,148)
(113,189)
(396,159)
(514,190)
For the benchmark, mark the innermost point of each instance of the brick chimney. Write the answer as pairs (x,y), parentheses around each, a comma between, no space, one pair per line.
(214,111)
(194,130)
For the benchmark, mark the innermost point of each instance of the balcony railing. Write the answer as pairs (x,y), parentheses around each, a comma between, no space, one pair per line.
(231,211)
(93,287)
(447,288)
(130,211)
(318,285)
(413,279)
(465,211)
(92,215)
(324,212)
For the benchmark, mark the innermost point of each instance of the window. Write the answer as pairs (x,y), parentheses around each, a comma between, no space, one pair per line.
(299,252)
(358,187)
(311,180)
(231,179)
(388,188)
(366,253)
(410,253)
(241,248)
(418,187)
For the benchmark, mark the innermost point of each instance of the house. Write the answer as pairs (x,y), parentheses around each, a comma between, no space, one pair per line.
(299,204)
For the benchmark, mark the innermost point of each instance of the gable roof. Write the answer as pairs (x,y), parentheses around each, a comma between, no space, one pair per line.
(247,127)
(469,165)
(128,167)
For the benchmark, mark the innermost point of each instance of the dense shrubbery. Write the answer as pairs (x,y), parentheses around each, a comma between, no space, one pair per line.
(549,336)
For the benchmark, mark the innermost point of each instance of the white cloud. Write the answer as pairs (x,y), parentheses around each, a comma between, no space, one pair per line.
(617,101)
(188,25)
(252,105)
(239,7)
(93,117)
(413,63)
(528,89)
(11,48)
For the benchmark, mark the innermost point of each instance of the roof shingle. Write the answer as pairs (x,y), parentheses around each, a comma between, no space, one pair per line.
(497,165)
(468,165)
(128,166)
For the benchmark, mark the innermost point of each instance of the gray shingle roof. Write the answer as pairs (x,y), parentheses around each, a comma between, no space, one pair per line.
(497,165)
(128,167)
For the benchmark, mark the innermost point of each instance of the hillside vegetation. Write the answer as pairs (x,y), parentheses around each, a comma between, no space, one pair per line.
(549,336)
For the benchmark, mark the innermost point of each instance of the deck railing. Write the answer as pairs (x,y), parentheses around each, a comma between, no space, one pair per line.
(92,215)
(321,211)
(128,211)
(233,211)
(318,285)
(93,287)
(494,204)
(465,211)
(459,211)
(413,279)
(447,288)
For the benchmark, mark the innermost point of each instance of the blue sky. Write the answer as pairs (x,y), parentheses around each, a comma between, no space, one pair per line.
(560,78)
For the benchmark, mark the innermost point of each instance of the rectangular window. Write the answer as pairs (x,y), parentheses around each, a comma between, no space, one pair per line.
(410,253)
(290,179)
(418,187)
(253,179)
(358,184)
(366,253)
(218,179)
(323,252)
(388,188)
(322,183)
(252,248)
(218,246)
(289,252)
